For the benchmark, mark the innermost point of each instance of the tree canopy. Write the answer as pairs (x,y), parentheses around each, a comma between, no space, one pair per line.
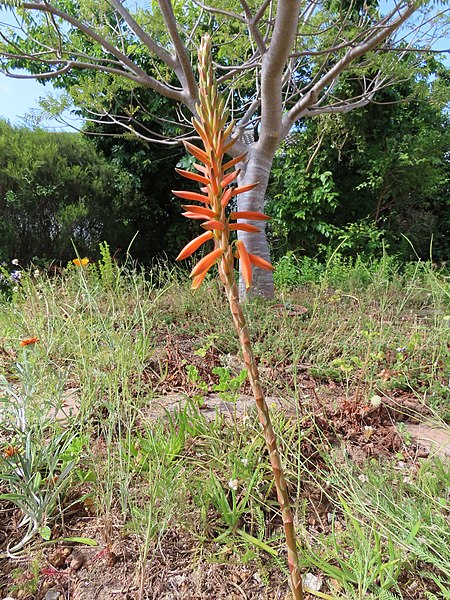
(386,166)
(56,190)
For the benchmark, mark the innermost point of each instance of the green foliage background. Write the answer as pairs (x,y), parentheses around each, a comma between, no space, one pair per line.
(59,188)
(381,172)
(364,181)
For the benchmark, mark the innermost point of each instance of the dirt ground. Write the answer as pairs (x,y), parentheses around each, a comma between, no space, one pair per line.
(176,568)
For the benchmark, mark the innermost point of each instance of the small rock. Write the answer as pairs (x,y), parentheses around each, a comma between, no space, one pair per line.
(52,594)
(77,561)
(312,582)
(58,559)
(376,400)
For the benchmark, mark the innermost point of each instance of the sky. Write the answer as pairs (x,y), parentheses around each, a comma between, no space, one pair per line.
(19,97)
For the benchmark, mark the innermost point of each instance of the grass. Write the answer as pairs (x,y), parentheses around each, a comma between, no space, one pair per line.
(141,463)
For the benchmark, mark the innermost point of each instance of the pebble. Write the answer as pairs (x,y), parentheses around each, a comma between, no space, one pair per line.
(58,559)
(52,594)
(312,582)
(77,561)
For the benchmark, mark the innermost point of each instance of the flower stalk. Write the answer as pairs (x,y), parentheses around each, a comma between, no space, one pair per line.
(216,192)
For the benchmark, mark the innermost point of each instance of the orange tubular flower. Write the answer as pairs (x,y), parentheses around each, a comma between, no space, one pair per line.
(193,176)
(194,244)
(29,341)
(215,225)
(246,264)
(235,161)
(260,262)
(226,197)
(191,196)
(244,188)
(201,168)
(229,178)
(206,262)
(244,227)
(249,214)
(197,281)
(197,152)
(200,210)
(191,215)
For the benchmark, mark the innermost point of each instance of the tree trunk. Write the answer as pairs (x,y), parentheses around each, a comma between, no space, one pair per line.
(256,169)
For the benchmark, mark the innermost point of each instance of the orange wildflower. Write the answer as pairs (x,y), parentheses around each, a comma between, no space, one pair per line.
(10,451)
(29,341)
(246,264)
(249,214)
(201,210)
(194,244)
(206,262)
(198,280)
(260,262)
(80,262)
(244,227)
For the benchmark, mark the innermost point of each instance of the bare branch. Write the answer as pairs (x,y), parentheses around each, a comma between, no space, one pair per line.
(245,120)
(253,28)
(148,41)
(358,101)
(64,69)
(219,11)
(132,125)
(261,10)
(141,76)
(375,36)
(185,72)
(233,71)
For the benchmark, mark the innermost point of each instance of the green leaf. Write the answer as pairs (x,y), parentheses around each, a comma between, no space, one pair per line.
(81,540)
(45,533)
(252,540)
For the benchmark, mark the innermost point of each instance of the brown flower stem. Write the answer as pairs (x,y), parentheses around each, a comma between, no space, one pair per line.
(226,271)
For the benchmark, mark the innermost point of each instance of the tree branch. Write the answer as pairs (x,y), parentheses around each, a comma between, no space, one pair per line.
(185,72)
(273,63)
(148,41)
(219,11)
(375,36)
(64,69)
(141,76)
(253,28)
